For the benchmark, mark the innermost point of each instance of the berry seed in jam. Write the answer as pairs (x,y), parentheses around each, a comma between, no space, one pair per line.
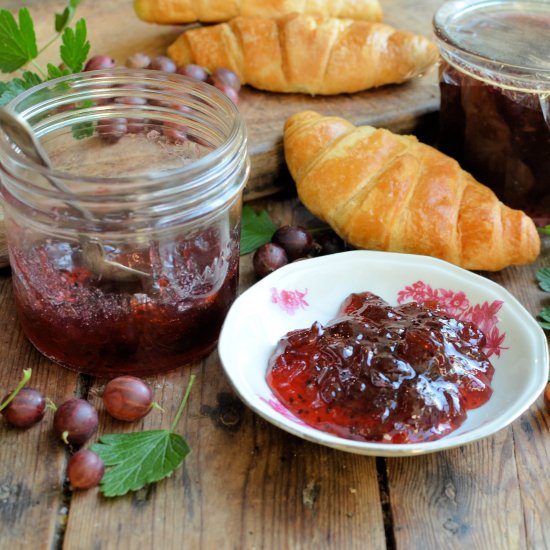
(378,373)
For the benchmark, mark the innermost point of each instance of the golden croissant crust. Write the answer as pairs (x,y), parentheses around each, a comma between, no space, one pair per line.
(383,191)
(214,11)
(306,54)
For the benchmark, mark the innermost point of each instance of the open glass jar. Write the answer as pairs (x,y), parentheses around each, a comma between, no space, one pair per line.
(495,96)
(147,171)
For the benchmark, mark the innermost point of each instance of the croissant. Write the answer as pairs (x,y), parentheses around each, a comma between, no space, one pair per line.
(212,11)
(301,53)
(383,191)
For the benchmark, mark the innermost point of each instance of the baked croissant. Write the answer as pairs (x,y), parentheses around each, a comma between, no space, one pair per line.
(383,191)
(213,11)
(306,54)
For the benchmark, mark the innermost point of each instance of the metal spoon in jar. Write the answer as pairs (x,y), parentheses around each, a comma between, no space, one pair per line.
(93,252)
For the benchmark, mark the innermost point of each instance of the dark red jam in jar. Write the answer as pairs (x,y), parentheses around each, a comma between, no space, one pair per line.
(140,327)
(125,192)
(495,96)
(403,374)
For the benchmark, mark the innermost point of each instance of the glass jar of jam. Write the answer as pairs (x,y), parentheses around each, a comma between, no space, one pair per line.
(125,252)
(495,96)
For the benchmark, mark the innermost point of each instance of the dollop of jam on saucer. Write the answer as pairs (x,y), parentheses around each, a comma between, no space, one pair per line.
(381,373)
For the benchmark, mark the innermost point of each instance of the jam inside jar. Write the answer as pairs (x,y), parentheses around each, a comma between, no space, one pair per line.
(162,197)
(495,97)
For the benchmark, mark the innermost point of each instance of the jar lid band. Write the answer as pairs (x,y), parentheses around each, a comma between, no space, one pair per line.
(501,41)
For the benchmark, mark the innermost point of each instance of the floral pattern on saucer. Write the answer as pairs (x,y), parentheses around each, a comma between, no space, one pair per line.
(289,300)
(457,304)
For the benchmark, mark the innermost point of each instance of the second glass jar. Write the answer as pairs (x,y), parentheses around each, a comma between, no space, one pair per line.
(495,96)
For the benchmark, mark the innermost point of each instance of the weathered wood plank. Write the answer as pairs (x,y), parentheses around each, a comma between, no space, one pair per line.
(463,498)
(532,445)
(32,461)
(532,449)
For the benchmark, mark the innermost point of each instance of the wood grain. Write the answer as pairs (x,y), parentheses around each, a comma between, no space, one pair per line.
(32,461)
(532,444)
(247,484)
(4,260)
(464,498)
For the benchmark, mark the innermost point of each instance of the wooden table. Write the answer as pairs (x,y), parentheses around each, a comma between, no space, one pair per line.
(250,485)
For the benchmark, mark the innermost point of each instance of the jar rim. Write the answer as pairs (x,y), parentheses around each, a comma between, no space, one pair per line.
(175,82)
(209,178)
(481,37)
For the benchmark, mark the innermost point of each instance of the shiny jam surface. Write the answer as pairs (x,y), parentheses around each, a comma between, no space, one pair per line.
(107,328)
(501,136)
(378,373)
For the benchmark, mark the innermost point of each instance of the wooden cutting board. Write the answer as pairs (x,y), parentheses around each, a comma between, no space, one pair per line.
(116,31)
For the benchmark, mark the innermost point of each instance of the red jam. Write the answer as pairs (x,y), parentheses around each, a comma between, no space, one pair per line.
(149,326)
(403,374)
(501,136)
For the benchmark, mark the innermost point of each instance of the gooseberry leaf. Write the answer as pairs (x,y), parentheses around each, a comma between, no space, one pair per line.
(543,276)
(64,18)
(75,47)
(138,459)
(85,129)
(135,459)
(56,72)
(257,228)
(17,42)
(12,88)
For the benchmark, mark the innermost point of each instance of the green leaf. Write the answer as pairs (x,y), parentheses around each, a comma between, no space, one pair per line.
(256,229)
(138,459)
(543,276)
(12,88)
(545,314)
(64,18)
(544,230)
(85,129)
(75,47)
(56,72)
(17,43)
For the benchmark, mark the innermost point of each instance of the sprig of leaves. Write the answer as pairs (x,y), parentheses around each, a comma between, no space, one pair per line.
(136,459)
(11,89)
(543,277)
(257,228)
(18,48)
